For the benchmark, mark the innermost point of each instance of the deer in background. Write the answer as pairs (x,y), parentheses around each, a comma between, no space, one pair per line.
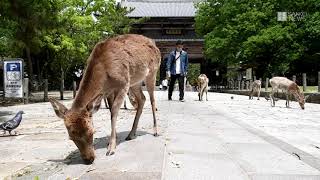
(288,87)
(256,87)
(203,83)
(113,67)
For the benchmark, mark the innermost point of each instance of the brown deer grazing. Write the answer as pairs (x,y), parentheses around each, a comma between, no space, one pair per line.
(114,66)
(203,83)
(256,87)
(288,87)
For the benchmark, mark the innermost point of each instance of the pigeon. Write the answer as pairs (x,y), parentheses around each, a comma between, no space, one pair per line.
(12,123)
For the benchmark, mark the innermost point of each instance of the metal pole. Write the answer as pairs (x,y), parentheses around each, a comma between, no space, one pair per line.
(267,85)
(26,90)
(294,78)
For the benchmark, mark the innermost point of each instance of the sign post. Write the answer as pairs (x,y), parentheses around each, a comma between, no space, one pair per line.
(13,78)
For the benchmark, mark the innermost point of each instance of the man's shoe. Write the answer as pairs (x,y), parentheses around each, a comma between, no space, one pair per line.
(169,99)
(182,100)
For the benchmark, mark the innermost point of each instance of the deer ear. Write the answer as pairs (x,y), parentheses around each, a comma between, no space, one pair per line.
(59,108)
(94,105)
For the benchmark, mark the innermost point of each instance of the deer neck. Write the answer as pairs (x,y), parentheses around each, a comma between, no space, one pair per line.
(91,86)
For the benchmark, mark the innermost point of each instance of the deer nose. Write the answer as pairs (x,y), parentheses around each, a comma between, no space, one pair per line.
(89,160)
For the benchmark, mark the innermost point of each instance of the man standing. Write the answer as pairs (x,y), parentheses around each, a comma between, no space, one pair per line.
(177,68)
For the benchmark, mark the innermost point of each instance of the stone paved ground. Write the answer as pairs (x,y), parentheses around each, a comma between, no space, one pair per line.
(222,138)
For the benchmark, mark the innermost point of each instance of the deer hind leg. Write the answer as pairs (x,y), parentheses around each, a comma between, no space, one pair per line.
(141,99)
(150,83)
(259,90)
(287,100)
(115,100)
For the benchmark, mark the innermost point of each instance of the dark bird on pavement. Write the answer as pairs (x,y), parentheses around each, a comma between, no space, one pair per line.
(231,97)
(12,123)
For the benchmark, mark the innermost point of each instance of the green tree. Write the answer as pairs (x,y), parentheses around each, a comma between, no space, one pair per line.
(247,32)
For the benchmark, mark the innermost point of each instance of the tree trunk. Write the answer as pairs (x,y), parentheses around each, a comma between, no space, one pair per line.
(62,84)
(30,68)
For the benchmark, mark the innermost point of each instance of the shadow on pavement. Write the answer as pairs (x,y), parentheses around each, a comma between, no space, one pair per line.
(99,143)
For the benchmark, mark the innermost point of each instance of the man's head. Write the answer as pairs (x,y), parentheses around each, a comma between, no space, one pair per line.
(79,125)
(179,45)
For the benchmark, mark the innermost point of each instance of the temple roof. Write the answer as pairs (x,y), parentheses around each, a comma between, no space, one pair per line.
(161,8)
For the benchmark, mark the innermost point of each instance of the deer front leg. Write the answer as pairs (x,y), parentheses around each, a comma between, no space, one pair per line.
(259,92)
(140,98)
(150,83)
(287,100)
(105,102)
(251,93)
(207,94)
(119,97)
(272,98)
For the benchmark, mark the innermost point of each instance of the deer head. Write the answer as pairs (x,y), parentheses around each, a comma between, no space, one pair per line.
(301,100)
(79,125)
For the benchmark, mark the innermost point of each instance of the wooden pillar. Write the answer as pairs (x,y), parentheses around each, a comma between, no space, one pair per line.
(304,81)
(239,85)
(254,78)
(26,90)
(250,83)
(45,89)
(242,85)
(267,85)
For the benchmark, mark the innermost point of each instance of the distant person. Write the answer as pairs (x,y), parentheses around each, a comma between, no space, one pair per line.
(177,68)
(165,84)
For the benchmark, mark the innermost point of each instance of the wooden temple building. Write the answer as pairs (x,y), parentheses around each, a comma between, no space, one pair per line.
(169,21)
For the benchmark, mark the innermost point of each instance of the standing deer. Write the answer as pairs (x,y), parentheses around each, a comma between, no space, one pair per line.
(256,87)
(288,87)
(203,83)
(113,67)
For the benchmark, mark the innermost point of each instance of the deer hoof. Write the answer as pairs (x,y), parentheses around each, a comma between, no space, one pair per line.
(128,138)
(109,153)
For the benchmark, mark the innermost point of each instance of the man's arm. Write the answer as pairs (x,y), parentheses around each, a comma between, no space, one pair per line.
(169,61)
(186,65)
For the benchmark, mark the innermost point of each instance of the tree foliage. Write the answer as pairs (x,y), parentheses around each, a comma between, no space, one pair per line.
(247,32)
(57,36)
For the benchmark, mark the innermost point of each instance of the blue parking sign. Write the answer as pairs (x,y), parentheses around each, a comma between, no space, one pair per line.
(13,67)
(13,81)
